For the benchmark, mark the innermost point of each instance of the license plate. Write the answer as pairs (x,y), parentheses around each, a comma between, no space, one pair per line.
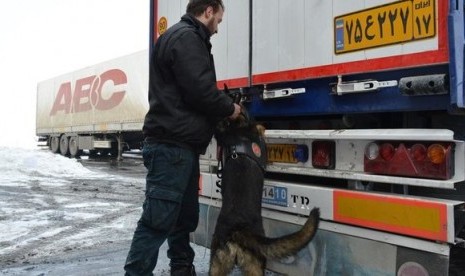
(275,195)
(284,153)
(394,23)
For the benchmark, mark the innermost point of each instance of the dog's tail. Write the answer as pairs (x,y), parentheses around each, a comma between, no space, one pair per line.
(283,246)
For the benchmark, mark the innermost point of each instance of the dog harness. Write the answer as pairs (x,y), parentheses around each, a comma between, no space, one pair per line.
(255,150)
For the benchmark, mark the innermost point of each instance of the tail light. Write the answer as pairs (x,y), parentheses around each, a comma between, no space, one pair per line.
(437,153)
(387,151)
(323,154)
(425,160)
(419,152)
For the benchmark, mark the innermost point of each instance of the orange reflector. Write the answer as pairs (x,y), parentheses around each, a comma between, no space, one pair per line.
(436,153)
(419,218)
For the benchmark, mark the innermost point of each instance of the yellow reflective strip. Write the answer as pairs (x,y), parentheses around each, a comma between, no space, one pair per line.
(420,218)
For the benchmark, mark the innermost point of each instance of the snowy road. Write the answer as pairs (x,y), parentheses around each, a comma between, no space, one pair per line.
(59,216)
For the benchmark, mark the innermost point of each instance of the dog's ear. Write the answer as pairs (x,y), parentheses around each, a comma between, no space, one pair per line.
(242,120)
(221,127)
(261,130)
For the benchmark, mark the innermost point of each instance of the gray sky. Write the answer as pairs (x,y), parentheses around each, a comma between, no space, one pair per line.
(42,39)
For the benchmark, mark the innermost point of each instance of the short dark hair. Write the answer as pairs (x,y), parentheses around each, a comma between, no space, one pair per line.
(197,7)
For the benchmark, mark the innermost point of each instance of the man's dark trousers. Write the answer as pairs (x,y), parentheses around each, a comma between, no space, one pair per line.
(170,210)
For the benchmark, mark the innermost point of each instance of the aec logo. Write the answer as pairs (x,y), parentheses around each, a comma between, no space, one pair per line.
(88,93)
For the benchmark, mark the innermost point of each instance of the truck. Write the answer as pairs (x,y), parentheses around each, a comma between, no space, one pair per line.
(363,102)
(99,109)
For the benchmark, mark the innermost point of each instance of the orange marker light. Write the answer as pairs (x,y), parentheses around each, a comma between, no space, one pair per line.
(436,153)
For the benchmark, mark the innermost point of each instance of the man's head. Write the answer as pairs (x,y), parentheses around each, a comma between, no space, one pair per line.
(209,12)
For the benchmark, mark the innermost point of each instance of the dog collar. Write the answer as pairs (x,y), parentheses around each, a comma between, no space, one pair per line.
(255,150)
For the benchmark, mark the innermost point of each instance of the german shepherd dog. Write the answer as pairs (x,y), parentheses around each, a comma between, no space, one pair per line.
(239,237)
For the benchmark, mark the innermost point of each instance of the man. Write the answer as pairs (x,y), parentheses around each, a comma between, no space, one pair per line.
(185,105)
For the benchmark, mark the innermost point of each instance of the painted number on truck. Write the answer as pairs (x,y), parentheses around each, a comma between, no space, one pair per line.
(275,195)
(397,22)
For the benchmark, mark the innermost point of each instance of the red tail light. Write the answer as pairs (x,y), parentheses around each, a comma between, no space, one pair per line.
(323,154)
(387,151)
(418,152)
(425,160)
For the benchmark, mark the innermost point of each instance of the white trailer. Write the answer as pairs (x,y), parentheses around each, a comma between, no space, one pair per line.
(100,108)
(363,104)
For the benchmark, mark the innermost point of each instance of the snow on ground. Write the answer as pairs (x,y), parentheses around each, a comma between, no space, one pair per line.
(61,216)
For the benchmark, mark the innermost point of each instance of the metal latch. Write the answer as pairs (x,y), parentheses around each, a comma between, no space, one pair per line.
(281,93)
(342,88)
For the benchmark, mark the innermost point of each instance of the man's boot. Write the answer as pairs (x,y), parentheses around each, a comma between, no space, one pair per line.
(183,271)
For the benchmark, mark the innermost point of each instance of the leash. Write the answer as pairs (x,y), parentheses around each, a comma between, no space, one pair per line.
(236,97)
(219,157)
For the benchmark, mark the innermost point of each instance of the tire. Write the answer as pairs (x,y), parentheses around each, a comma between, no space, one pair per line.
(93,153)
(64,145)
(74,150)
(114,150)
(55,144)
(103,152)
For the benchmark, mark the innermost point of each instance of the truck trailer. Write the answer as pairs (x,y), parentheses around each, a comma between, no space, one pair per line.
(100,108)
(363,102)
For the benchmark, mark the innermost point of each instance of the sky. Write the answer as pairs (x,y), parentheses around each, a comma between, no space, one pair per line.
(42,39)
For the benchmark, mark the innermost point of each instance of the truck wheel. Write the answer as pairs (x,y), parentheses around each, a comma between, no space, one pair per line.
(74,150)
(93,153)
(55,144)
(114,151)
(64,145)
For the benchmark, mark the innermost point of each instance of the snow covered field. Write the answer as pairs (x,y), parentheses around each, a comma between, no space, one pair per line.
(59,216)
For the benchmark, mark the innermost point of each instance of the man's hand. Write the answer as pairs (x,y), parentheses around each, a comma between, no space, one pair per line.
(237,111)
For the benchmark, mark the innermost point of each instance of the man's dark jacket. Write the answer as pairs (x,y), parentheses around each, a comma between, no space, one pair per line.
(185,102)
